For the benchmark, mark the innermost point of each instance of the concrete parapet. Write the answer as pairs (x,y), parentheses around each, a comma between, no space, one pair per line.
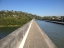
(20,38)
(13,40)
(37,38)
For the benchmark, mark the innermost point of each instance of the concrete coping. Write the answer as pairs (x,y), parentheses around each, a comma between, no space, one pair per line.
(14,37)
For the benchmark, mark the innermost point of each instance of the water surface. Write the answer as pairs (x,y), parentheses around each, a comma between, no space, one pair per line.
(54,31)
(4,31)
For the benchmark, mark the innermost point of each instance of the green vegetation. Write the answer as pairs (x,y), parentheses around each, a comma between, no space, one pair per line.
(15,18)
(54,18)
(50,18)
(18,18)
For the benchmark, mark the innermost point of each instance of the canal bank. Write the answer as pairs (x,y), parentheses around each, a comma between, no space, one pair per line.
(54,31)
(57,22)
(37,38)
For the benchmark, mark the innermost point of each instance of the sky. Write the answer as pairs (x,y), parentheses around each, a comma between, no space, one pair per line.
(38,7)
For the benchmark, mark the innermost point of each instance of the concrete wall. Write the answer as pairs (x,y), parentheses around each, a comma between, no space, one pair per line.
(13,40)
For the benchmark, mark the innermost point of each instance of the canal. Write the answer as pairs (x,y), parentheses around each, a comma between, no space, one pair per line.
(54,31)
(4,31)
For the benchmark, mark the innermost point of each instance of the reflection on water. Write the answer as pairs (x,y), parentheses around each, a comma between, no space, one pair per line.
(4,31)
(54,31)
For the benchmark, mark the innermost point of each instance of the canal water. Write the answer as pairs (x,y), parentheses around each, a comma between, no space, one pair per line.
(54,31)
(4,31)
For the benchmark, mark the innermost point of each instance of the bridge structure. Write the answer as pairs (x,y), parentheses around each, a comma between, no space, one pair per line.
(29,35)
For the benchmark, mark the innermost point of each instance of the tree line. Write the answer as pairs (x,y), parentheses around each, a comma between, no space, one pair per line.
(54,18)
(15,18)
(18,18)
